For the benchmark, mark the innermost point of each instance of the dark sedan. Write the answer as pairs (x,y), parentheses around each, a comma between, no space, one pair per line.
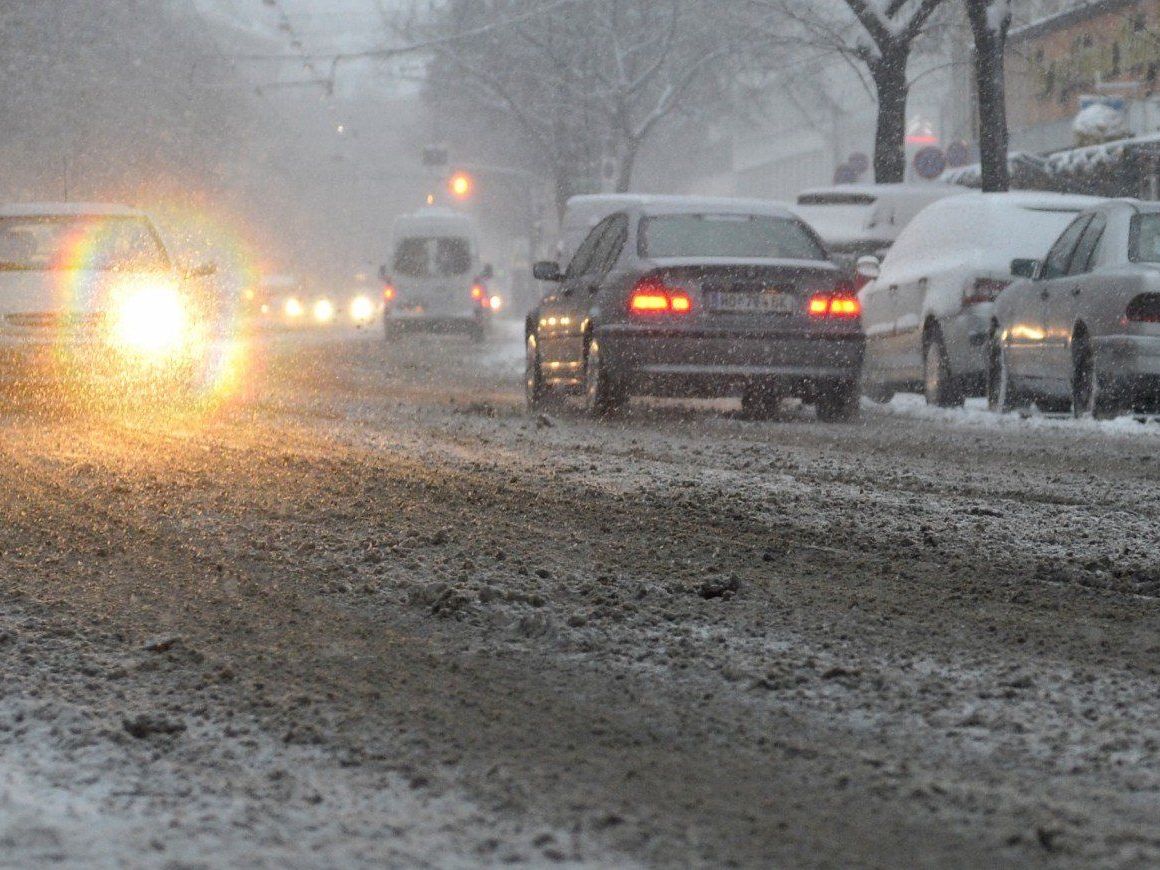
(698,298)
(1082,331)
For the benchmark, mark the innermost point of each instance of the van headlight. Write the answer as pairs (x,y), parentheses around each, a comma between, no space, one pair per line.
(150,320)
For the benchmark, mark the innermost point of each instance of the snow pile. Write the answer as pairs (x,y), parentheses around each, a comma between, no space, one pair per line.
(1099,122)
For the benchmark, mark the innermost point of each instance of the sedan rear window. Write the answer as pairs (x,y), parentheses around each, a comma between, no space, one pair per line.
(727,235)
(1144,239)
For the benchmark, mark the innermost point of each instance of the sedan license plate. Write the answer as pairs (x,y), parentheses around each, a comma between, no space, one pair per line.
(764,302)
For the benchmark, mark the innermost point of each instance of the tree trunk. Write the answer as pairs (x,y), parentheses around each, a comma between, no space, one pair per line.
(889,74)
(990,47)
(627,164)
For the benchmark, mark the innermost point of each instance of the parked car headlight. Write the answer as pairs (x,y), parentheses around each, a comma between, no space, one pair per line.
(324,311)
(150,319)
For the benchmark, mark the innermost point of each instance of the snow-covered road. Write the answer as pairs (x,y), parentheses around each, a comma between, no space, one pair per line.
(375,615)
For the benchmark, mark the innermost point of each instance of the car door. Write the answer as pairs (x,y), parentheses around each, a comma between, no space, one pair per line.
(1027,343)
(580,297)
(877,299)
(557,332)
(1062,302)
(909,303)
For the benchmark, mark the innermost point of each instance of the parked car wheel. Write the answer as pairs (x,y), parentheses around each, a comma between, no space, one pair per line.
(1094,395)
(759,403)
(839,404)
(602,396)
(938,385)
(1002,397)
(536,392)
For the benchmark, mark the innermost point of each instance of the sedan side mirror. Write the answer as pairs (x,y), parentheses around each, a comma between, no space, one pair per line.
(1024,268)
(868,267)
(547,270)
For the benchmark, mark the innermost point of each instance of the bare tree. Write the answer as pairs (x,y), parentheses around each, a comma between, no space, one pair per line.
(882,37)
(990,21)
(584,84)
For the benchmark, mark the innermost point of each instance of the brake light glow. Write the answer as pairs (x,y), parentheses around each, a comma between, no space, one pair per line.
(834,305)
(653,296)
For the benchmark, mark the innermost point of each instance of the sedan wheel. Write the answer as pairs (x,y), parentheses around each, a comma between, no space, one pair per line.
(535,390)
(1001,396)
(1094,395)
(937,382)
(601,396)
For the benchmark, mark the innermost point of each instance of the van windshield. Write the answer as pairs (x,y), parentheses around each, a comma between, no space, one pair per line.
(727,235)
(432,257)
(39,243)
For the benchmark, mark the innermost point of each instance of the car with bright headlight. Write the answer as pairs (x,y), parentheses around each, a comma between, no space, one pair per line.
(90,290)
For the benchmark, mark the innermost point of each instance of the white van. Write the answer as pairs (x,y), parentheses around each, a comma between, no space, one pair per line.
(435,280)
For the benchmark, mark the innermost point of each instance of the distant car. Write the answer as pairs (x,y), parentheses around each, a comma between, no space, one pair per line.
(697,297)
(856,220)
(435,281)
(928,309)
(90,291)
(1082,331)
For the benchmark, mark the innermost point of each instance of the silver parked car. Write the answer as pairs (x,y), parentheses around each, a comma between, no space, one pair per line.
(1083,329)
(698,297)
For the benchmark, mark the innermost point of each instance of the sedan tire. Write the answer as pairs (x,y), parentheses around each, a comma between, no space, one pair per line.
(537,394)
(1002,397)
(1095,395)
(602,395)
(938,385)
(839,404)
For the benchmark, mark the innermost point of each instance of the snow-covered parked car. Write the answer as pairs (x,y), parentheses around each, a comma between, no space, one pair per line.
(855,220)
(89,291)
(697,297)
(927,310)
(1083,330)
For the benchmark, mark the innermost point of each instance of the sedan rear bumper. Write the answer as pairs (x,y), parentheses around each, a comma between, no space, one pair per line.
(714,363)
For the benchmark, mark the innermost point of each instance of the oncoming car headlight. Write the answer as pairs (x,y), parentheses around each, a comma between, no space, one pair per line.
(150,319)
(324,311)
(362,309)
(293,308)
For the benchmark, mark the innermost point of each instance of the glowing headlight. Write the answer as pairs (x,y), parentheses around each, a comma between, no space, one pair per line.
(293,308)
(495,302)
(362,308)
(324,311)
(150,319)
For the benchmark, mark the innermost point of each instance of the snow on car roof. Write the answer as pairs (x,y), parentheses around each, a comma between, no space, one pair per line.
(67,209)
(931,190)
(1034,199)
(677,204)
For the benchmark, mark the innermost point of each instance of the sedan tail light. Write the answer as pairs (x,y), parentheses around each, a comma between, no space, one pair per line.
(654,296)
(983,290)
(834,305)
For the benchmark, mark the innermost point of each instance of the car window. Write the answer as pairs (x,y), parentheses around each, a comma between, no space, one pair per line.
(611,244)
(1082,259)
(585,257)
(1144,238)
(727,235)
(1059,256)
(43,243)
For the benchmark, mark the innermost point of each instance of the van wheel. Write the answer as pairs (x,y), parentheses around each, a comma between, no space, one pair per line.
(938,386)
(602,397)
